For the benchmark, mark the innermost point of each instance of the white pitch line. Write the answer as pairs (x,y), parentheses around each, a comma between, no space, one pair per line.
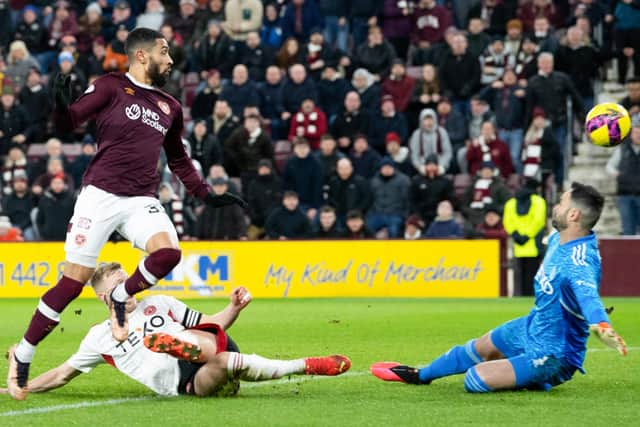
(87,404)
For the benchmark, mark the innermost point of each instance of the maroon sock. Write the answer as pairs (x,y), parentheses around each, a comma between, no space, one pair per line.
(155,266)
(53,303)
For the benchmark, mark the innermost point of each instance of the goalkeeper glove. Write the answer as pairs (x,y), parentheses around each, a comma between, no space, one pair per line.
(225,199)
(609,337)
(62,90)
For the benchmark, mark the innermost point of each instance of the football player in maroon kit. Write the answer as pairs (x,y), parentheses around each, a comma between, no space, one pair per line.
(135,121)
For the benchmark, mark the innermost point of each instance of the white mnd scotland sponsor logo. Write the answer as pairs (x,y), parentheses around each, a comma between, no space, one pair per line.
(146,115)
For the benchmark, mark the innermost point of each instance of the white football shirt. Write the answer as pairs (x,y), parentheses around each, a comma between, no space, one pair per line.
(157,371)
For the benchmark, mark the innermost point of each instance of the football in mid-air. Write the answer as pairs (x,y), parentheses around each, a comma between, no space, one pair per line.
(607,124)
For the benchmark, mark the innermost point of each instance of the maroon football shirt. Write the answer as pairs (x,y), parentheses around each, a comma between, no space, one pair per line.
(135,121)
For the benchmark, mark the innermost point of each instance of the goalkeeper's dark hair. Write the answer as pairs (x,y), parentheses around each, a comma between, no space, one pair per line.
(590,203)
(141,38)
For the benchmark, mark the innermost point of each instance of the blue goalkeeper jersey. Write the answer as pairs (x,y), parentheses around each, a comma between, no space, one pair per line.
(567,299)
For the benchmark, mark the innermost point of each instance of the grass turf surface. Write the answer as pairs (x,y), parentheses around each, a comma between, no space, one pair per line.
(367,330)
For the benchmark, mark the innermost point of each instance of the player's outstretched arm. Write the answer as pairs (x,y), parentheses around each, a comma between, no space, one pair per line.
(609,337)
(240,298)
(55,378)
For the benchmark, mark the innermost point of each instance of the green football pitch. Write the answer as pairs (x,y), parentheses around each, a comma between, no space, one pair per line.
(367,330)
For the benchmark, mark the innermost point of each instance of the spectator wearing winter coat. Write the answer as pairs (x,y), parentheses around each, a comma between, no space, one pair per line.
(351,122)
(526,60)
(309,123)
(223,223)
(390,193)
(35,100)
(206,98)
(15,163)
(303,174)
(256,56)
(365,159)
(444,225)
(396,24)
(19,62)
(348,191)
(318,54)
(507,100)
(263,196)
(33,33)
(459,74)
(271,31)
(626,35)
(363,82)
(492,228)
(154,16)
(477,38)
(430,20)
(428,190)
(533,10)
(215,50)
(222,122)
(184,22)
(413,228)
(494,15)
(80,164)
(456,126)
(488,188)
(364,15)
(399,85)
(53,148)
(242,17)
(174,207)
(205,147)
(386,120)
(271,109)
(328,156)
(55,210)
(331,92)
(288,221)
(55,168)
(355,227)
(426,93)
(430,138)
(489,148)
(241,91)
(300,18)
(296,89)
(14,122)
(328,224)
(375,55)
(540,151)
(18,203)
(494,61)
(399,154)
(544,36)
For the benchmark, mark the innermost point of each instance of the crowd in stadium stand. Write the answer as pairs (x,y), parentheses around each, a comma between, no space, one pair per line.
(334,118)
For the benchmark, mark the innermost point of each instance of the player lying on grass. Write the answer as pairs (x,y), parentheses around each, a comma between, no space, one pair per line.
(546,347)
(173,349)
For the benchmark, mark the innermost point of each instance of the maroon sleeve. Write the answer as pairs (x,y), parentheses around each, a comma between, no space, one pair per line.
(179,161)
(93,100)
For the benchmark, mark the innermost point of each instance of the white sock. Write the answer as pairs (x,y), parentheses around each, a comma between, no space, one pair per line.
(25,351)
(120,293)
(251,367)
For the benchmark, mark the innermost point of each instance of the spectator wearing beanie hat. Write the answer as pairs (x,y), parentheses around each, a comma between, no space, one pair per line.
(487,188)
(430,138)
(390,191)
(413,228)
(14,121)
(399,154)
(386,120)
(513,39)
(428,190)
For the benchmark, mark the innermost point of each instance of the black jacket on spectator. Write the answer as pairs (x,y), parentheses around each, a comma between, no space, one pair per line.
(225,223)
(207,151)
(333,7)
(332,233)
(370,98)
(367,164)
(331,95)
(270,100)
(329,55)
(18,209)
(328,164)
(376,59)
(220,55)
(550,93)
(263,196)
(39,167)
(431,55)
(582,64)
(240,157)
(227,128)
(380,126)
(240,96)
(353,193)
(290,224)
(35,102)
(365,8)
(34,35)
(425,193)
(304,176)
(509,115)
(78,167)
(13,122)
(203,103)
(54,213)
(350,124)
(293,94)
(257,60)
(501,14)
(459,75)
(456,126)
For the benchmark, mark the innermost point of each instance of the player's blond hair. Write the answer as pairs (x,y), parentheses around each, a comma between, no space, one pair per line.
(102,272)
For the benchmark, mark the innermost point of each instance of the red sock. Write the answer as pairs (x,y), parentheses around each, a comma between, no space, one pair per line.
(151,269)
(51,305)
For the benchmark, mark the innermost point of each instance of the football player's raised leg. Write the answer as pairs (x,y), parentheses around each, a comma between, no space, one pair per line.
(44,320)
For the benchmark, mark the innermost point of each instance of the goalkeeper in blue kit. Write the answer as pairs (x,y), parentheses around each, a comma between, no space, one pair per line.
(546,347)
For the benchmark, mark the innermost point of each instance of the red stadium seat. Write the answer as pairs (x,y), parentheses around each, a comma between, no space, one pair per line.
(190,82)
(281,152)
(70,151)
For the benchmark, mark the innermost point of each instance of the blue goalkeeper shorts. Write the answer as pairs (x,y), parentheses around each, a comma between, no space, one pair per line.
(534,369)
